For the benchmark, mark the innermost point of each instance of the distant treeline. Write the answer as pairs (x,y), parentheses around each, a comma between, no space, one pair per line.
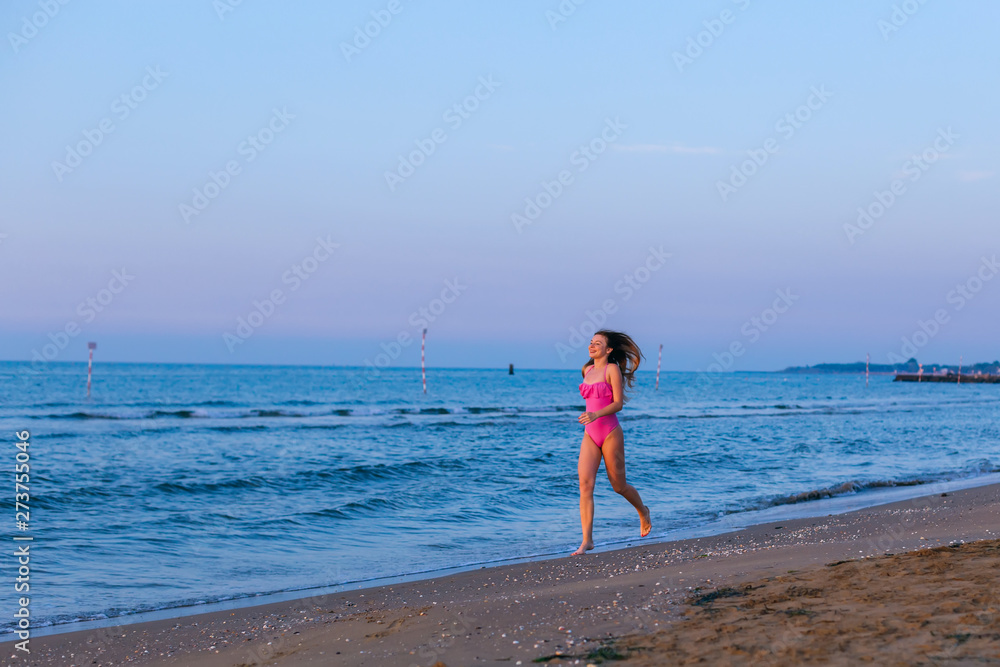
(910,366)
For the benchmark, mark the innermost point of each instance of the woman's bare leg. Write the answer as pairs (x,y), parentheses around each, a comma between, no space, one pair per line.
(613,449)
(590,461)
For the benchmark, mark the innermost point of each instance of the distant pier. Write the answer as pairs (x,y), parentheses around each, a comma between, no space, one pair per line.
(980,378)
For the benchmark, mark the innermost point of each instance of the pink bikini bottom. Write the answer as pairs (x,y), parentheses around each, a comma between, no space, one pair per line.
(601,428)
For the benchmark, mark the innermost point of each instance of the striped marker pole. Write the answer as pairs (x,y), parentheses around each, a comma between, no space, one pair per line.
(423,367)
(90,364)
(659,357)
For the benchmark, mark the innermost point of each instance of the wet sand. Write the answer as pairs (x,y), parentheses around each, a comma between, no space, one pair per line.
(776,593)
(932,606)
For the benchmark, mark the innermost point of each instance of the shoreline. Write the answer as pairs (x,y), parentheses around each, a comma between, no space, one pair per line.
(808,508)
(400,623)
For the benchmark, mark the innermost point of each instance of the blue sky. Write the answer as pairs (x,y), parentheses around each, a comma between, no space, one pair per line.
(648,112)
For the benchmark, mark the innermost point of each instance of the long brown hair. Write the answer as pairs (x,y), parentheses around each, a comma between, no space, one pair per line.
(624,352)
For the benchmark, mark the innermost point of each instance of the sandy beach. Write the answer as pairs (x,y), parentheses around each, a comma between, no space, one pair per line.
(912,582)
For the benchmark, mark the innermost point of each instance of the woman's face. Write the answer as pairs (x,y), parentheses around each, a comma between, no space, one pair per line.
(599,347)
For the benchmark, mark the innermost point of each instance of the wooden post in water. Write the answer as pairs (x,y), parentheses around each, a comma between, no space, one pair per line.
(659,357)
(423,367)
(510,371)
(90,364)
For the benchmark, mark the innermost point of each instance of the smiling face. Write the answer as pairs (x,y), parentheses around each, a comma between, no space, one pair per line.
(599,347)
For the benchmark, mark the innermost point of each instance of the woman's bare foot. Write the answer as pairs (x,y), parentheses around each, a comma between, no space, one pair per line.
(584,548)
(645,524)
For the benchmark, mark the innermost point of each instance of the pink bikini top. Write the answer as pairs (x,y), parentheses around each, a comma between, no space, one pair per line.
(597,389)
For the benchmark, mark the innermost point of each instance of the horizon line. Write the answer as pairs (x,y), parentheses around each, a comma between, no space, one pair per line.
(470,368)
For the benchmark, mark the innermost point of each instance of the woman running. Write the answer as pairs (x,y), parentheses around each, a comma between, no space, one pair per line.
(613,356)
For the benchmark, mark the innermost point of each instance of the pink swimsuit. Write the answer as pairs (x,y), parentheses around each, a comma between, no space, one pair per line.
(599,396)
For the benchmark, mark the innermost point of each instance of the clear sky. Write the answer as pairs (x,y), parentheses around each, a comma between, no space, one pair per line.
(692,172)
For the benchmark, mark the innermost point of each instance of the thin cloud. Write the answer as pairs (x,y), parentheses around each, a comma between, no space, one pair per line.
(676,149)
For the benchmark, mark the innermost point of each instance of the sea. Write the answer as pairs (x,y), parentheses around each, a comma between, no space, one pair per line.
(176,487)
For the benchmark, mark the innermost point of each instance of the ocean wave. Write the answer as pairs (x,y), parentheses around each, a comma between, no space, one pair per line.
(204,411)
(238,483)
(179,414)
(779,406)
(853,486)
(273,413)
(293,478)
(328,416)
(757,413)
(238,429)
(131,413)
(84,415)
(419,413)
(973,469)
(369,506)
(120,416)
(75,498)
(396,471)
